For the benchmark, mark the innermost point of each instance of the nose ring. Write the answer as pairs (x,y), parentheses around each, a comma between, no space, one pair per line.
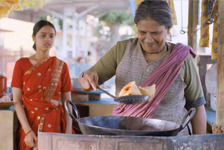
(151,40)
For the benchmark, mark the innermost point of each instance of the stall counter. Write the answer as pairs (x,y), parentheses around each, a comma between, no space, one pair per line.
(8,127)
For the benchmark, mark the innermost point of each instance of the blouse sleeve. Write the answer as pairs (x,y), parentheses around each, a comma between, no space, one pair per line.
(193,91)
(107,65)
(66,84)
(17,75)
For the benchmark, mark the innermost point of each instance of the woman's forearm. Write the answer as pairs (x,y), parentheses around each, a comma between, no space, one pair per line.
(199,121)
(68,119)
(22,116)
(18,106)
(68,129)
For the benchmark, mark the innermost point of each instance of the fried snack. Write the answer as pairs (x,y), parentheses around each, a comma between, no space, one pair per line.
(130,89)
(148,90)
(217,129)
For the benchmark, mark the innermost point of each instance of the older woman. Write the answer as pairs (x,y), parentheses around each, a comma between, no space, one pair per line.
(149,59)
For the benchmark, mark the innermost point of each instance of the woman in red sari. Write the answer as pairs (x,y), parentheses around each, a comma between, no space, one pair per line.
(38,83)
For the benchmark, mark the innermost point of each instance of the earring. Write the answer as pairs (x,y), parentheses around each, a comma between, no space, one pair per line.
(169,37)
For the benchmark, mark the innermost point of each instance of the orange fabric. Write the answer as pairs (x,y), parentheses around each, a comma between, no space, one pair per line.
(204,39)
(7,5)
(215,34)
(173,13)
(34,87)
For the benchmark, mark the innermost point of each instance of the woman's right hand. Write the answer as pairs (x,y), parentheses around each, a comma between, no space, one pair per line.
(30,139)
(89,80)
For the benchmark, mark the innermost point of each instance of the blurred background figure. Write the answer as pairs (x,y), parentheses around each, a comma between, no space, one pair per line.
(88,58)
(80,60)
(91,55)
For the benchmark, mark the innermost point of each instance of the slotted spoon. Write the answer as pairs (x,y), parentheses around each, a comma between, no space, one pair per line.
(130,99)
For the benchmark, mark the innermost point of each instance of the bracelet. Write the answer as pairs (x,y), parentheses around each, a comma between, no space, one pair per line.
(28,132)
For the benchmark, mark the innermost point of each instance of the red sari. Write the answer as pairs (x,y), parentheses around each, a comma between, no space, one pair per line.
(40,84)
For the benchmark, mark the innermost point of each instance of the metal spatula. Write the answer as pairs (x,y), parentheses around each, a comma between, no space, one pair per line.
(130,99)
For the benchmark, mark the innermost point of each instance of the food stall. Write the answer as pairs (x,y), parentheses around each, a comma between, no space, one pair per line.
(209,141)
(84,142)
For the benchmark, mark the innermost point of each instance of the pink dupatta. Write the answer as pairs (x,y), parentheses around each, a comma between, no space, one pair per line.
(163,77)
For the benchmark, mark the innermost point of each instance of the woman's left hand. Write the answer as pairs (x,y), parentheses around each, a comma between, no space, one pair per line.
(30,139)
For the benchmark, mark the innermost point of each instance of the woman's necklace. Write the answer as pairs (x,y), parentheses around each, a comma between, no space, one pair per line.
(165,47)
(40,61)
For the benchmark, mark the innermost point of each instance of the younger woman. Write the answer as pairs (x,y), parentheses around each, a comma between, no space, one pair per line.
(38,83)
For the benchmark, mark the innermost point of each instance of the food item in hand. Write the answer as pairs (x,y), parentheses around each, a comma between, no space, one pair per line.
(130,89)
(217,129)
(148,90)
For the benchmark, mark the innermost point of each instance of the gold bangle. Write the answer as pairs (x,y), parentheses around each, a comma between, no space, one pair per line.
(28,132)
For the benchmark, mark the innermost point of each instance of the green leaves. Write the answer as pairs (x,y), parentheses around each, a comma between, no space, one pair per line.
(119,17)
(33,3)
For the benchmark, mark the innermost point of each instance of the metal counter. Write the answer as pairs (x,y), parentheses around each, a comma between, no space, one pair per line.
(54,141)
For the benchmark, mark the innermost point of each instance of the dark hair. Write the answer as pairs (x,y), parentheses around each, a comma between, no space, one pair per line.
(157,10)
(38,26)
(79,59)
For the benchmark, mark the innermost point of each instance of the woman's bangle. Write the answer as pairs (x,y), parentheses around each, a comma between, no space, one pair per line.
(28,132)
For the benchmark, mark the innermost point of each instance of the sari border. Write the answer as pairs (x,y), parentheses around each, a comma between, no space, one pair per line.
(52,87)
(54,80)
(29,71)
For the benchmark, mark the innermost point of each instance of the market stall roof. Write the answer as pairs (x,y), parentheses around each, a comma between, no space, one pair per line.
(82,7)
(13,25)
(2,30)
(95,7)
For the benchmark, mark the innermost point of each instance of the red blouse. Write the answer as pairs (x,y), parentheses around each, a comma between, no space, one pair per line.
(23,64)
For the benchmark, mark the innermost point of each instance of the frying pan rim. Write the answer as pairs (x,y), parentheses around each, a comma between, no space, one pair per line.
(99,127)
(186,119)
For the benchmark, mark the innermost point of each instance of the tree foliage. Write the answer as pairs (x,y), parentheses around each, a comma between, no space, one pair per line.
(33,3)
(113,21)
(122,18)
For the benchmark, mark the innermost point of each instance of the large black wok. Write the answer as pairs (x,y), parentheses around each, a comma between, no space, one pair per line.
(116,125)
